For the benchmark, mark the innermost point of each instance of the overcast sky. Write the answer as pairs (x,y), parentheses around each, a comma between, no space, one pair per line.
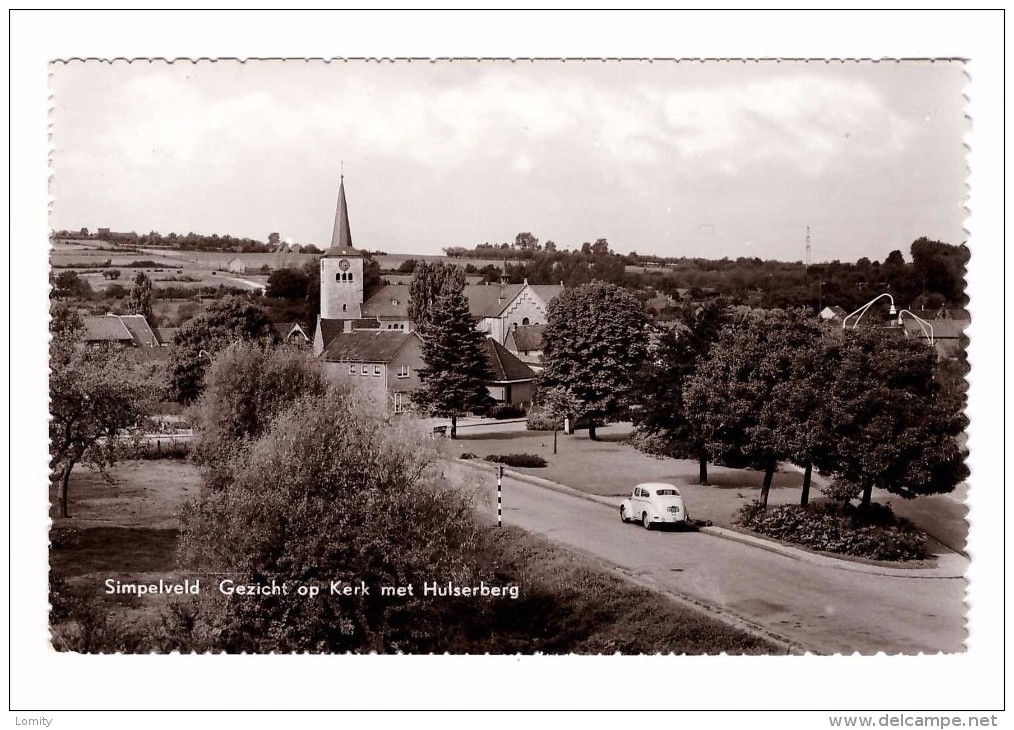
(696,159)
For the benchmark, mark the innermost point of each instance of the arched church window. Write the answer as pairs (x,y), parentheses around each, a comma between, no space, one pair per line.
(350,277)
(345,307)
(525,321)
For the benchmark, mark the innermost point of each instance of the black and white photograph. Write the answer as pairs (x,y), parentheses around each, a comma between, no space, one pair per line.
(478,357)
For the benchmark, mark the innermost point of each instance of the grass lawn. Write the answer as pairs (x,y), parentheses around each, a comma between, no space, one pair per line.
(125,530)
(609,467)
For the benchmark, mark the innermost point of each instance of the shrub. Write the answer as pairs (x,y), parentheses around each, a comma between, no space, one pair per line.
(539,420)
(247,386)
(506,410)
(874,533)
(333,491)
(524,461)
(468,455)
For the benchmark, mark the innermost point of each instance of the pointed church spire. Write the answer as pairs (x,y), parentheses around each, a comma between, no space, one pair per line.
(341,236)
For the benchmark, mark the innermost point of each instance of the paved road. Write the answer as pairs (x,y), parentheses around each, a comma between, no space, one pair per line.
(823,609)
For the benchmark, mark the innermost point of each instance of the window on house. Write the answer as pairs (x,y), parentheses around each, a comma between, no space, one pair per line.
(376,371)
(345,307)
(352,369)
(403,371)
(366,370)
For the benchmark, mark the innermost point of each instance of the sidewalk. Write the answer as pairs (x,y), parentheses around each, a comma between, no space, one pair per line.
(948,564)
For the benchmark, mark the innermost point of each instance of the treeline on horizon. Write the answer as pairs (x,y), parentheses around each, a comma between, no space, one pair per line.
(183,242)
(931,279)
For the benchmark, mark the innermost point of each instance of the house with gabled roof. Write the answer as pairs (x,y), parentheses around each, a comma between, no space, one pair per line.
(833,313)
(291,332)
(947,335)
(121,330)
(383,365)
(512,379)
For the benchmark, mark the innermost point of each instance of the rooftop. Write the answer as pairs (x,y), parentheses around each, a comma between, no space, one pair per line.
(375,346)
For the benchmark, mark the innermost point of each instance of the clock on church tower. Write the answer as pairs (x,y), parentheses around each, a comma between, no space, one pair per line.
(341,270)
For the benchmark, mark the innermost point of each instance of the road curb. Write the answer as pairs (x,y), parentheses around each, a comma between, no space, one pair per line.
(950,565)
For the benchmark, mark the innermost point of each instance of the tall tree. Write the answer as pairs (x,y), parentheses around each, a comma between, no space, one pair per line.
(227,320)
(526,242)
(287,284)
(801,367)
(94,396)
(888,424)
(142,296)
(730,399)
(454,379)
(596,338)
(311,269)
(68,284)
(430,281)
(661,416)
(274,239)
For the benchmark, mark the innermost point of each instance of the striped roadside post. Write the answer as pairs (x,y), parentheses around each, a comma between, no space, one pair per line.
(499,495)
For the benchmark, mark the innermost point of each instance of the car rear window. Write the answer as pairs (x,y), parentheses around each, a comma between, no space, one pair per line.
(667,493)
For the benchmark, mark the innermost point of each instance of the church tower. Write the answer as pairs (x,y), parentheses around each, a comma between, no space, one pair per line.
(341,269)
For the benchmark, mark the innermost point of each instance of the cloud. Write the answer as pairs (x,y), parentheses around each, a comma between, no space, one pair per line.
(804,122)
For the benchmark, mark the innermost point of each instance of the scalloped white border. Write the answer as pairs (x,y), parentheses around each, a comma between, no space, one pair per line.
(42,679)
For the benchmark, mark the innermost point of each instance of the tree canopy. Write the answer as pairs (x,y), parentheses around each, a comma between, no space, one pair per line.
(594,342)
(288,283)
(142,296)
(456,373)
(664,426)
(429,282)
(95,395)
(225,321)
(887,422)
(862,406)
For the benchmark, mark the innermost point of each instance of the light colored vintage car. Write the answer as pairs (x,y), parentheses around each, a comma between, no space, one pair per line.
(654,503)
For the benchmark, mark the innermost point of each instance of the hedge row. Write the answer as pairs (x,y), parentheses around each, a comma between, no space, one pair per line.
(875,534)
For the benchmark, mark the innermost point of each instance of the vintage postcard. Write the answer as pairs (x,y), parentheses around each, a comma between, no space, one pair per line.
(496,358)
(483,357)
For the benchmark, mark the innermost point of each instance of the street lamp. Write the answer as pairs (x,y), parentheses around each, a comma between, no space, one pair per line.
(927,328)
(862,310)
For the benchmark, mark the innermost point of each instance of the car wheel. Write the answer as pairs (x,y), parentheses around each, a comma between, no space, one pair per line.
(623,514)
(645,521)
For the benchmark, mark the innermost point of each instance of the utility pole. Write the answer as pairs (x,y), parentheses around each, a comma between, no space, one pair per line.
(806,261)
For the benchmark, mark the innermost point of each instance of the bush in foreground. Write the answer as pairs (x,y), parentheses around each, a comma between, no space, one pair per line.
(332,491)
(874,533)
(524,461)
